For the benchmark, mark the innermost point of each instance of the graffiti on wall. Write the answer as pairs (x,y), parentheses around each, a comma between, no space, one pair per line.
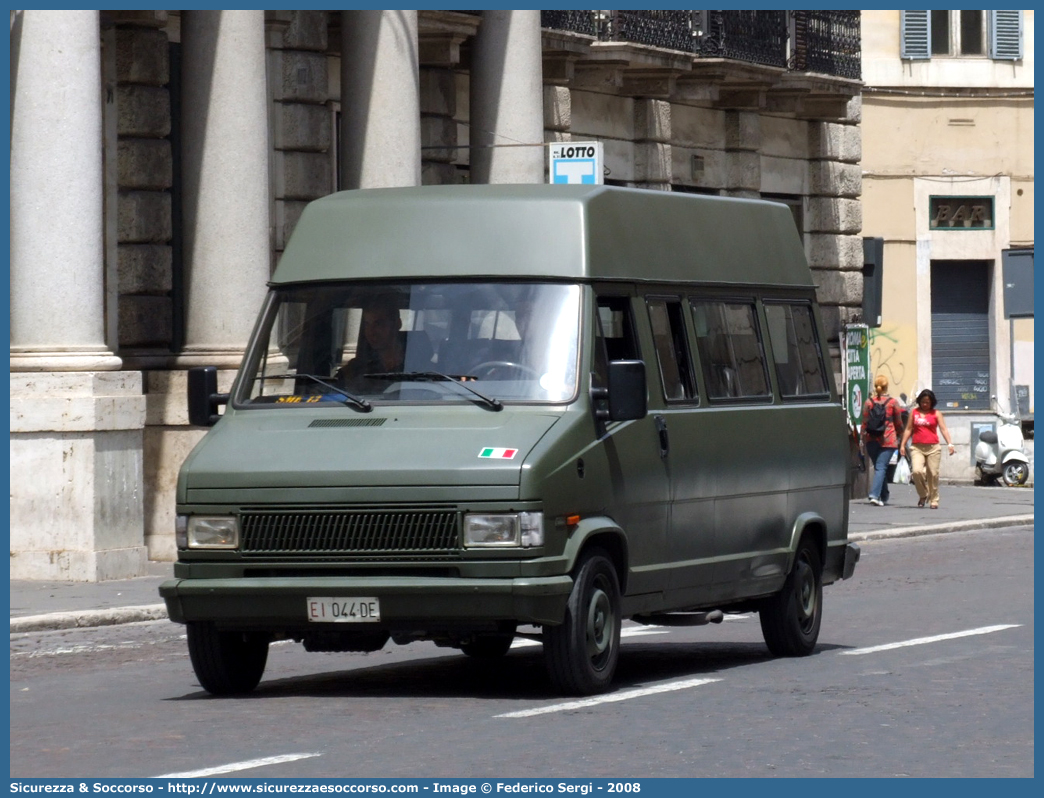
(887,358)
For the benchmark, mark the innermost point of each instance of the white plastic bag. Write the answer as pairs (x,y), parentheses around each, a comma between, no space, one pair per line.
(902,472)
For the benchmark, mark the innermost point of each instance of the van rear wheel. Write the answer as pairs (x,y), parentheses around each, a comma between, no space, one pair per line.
(581,654)
(790,619)
(226,663)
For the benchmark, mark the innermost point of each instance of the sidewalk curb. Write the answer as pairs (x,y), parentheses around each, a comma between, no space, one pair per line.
(80,619)
(936,529)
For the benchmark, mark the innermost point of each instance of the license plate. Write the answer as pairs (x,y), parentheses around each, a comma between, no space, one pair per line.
(344,610)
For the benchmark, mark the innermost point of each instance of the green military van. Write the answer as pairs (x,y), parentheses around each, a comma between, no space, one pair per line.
(470,413)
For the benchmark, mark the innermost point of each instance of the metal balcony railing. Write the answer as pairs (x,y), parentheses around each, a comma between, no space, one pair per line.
(572,21)
(825,42)
(669,29)
(756,37)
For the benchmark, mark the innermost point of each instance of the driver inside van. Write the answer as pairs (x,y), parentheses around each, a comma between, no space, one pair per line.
(381,348)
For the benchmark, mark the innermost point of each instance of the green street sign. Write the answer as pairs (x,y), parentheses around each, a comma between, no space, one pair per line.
(857,371)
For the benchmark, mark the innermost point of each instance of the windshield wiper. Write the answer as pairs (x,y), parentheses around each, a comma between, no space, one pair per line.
(437,376)
(348,399)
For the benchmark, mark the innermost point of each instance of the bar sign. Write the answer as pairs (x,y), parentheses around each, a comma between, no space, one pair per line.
(498,454)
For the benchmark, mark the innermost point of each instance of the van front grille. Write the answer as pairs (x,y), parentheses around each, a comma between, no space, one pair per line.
(350,532)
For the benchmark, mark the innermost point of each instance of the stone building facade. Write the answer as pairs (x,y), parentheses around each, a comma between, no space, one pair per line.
(160,160)
(948,184)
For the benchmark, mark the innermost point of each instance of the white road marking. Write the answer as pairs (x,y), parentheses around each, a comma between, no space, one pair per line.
(607,699)
(630,631)
(235,766)
(920,641)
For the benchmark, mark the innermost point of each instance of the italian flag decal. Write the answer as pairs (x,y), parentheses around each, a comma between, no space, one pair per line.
(498,454)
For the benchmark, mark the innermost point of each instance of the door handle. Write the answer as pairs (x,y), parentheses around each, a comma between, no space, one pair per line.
(661,430)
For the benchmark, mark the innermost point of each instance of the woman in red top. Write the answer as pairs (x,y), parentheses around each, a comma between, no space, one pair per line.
(924,425)
(881,446)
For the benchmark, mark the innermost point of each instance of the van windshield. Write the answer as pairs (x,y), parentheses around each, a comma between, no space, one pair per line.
(357,345)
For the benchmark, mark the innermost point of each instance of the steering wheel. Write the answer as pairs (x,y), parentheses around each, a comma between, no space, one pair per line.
(490,367)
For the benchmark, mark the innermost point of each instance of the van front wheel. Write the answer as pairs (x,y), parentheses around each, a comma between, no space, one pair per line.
(790,619)
(226,663)
(581,654)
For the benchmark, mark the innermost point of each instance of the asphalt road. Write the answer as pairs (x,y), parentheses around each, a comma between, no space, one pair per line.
(956,699)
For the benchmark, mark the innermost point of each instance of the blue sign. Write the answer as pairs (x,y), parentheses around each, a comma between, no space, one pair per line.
(576,163)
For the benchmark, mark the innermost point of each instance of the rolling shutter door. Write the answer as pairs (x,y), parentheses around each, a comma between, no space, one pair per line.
(961,334)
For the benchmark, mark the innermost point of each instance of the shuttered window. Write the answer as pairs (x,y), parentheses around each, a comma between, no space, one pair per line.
(940,32)
(971,33)
(925,34)
(1005,35)
(915,35)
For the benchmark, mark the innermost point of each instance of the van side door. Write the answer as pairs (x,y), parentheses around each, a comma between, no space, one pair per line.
(813,433)
(675,407)
(742,454)
(639,485)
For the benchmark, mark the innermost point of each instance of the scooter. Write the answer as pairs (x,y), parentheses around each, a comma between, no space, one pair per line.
(1001,454)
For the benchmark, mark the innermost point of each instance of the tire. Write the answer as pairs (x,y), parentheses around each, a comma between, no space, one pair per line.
(1016,473)
(489,646)
(226,663)
(790,619)
(581,654)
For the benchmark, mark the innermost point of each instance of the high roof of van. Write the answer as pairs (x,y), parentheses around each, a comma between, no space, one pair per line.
(556,232)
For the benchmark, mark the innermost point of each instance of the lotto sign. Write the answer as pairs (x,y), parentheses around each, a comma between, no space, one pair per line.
(576,162)
(498,454)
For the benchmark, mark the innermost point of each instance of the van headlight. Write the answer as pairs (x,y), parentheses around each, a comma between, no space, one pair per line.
(503,530)
(212,532)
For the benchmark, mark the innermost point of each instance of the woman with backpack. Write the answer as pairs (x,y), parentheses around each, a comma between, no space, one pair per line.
(923,426)
(882,421)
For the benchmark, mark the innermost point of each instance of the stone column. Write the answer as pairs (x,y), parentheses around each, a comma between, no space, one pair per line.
(225,155)
(380,99)
(507,99)
(653,168)
(742,154)
(438,107)
(558,113)
(834,222)
(76,421)
(57,265)
(302,123)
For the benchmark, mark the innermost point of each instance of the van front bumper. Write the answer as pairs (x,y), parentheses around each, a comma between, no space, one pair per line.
(276,604)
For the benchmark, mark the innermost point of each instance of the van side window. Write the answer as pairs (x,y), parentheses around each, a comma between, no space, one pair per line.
(795,350)
(672,349)
(730,349)
(616,338)
(617,329)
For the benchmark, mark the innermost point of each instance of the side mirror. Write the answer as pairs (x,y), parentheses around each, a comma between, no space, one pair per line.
(626,391)
(203,396)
